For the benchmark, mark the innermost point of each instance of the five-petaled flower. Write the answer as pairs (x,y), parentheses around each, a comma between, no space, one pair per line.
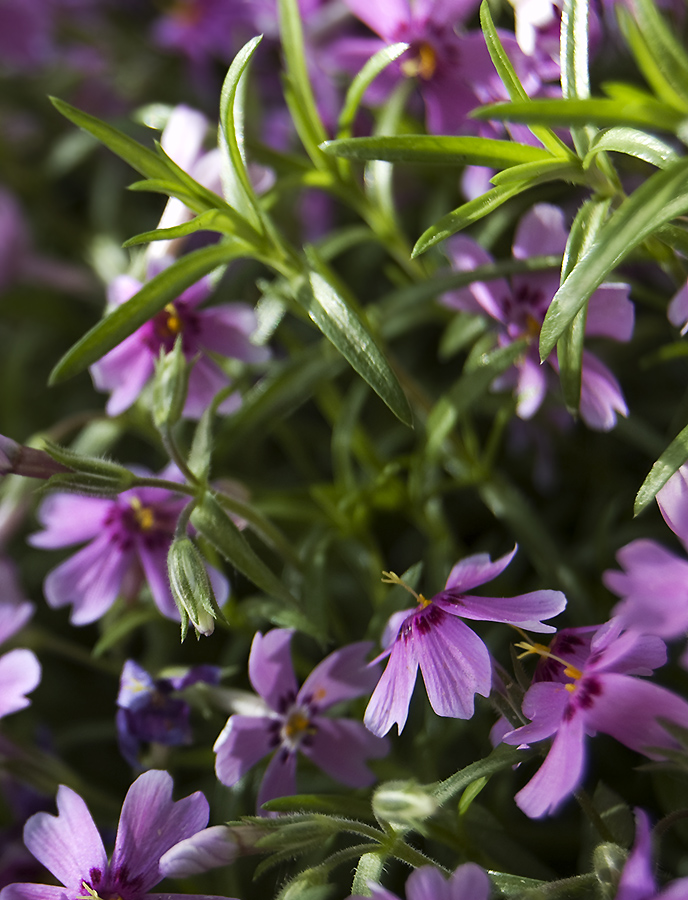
(600,694)
(286,719)
(70,847)
(454,661)
(468,882)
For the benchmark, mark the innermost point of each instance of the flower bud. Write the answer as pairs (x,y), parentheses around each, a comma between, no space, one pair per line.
(216,846)
(608,861)
(309,829)
(91,475)
(191,587)
(170,386)
(403,804)
(17,459)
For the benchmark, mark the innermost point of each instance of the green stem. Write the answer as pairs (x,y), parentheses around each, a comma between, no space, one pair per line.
(262,526)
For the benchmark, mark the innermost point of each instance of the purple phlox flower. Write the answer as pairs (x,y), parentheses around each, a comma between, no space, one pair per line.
(637,880)
(601,694)
(70,847)
(519,307)
(151,709)
(468,882)
(678,309)
(20,671)
(128,540)
(288,718)
(454,661)
(224,330)
(653,582)
(453,67)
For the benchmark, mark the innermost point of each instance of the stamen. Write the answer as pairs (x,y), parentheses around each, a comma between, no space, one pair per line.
(144,515)
(174,323)
(423,64)
(393,578)
(90,893)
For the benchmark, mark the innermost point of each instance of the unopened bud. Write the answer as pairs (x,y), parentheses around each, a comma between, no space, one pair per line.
(403,804)
(209,849)
(191,587)
(296,835)
(17,459)
(311,884)
(608,861)
(170,386)
(91,475)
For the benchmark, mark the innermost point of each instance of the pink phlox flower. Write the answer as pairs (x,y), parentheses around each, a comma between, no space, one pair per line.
(467,882)
(20,671)
(224,330)
(454,661)
(452,66)
(71,848)
(653,583)
(600,694)
(637,880)
(287,719)
(127,541)
(519,306)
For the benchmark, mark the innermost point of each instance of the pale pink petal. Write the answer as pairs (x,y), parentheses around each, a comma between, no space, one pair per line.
(69,519)
(20,673)
(531,387)
(630,653)
(13,616)
(279,779)
(394,623)
(206,380)
(183,136)
(342,675)
(469,882)
(637,880)
(201,852)
(68,844)
(465,254)
(428,883)
(89,581)
(123,371)
(672,500)
(678,308)
(391,697)
(242,742)
(544,703)
(601,396)
(32,892)
(226,330)
(475,570)
(610,313)
(150,823)
(444,12)
(455,664)
(382,18)
(153,559)
(541,232)
(341,747)
(627,708)
(121,289)
(270,670)
(524,610)
(560,773)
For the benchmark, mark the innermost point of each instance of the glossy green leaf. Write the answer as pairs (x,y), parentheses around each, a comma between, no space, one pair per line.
(669,462)
(431,149)
(153,296)
(512,83)
(340,323)
(660,78)
(667,53)
(362,82)
(218,529)
(632,142)
(145,161)
(575,79)
(171,189)
(465,215)
(586,224)
(532,173)
(235,178)
(212,220)
(651,114)
(658,200)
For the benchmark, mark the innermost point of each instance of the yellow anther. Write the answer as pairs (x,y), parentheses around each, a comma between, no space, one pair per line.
(296,725)
(144,515)
(173,322)
(423,64)
(573,672)
(393,578)
(571,687)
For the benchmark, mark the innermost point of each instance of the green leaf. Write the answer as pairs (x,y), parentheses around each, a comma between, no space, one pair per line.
(338,804)
(669,462)
(153,296)
(587,223)
(145,161)
(651,114)
(532,173)
(658,200)
(653,69)
(502,757)
(471,793)
(212,220)
(431,149)
(235,178)
(666,54)
(512,83)
(299,92)
(465,215)
(362,81)
(123,626)
(218,529)
(340,323)
(575,79)
(632,142)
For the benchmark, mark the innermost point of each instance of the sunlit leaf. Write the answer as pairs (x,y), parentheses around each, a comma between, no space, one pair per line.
(361,83)
(669,462)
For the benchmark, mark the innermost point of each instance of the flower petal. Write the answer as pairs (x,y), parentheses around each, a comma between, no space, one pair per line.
(226,330)
(382,18)
(68,844)
(524,610)
(637,880)
(544,703)
(242,742)
(20,673)
(610,313)
(427,883)
(150,823)
(560,773)
(540,232)
(341,747)
(455,664)
(279,779)
(32,892)
(391,697)
(672,500)
(204,850)
(475,570)
(69,519)
(13,615)
(153,557)
(469,882)
(342,675)
(601,397)
(270,670)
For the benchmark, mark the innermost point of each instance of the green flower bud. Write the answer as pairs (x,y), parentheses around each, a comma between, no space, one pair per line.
(92,475)
(403,804)
(297,835)
(608,861)
(170,386)
(191,587)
